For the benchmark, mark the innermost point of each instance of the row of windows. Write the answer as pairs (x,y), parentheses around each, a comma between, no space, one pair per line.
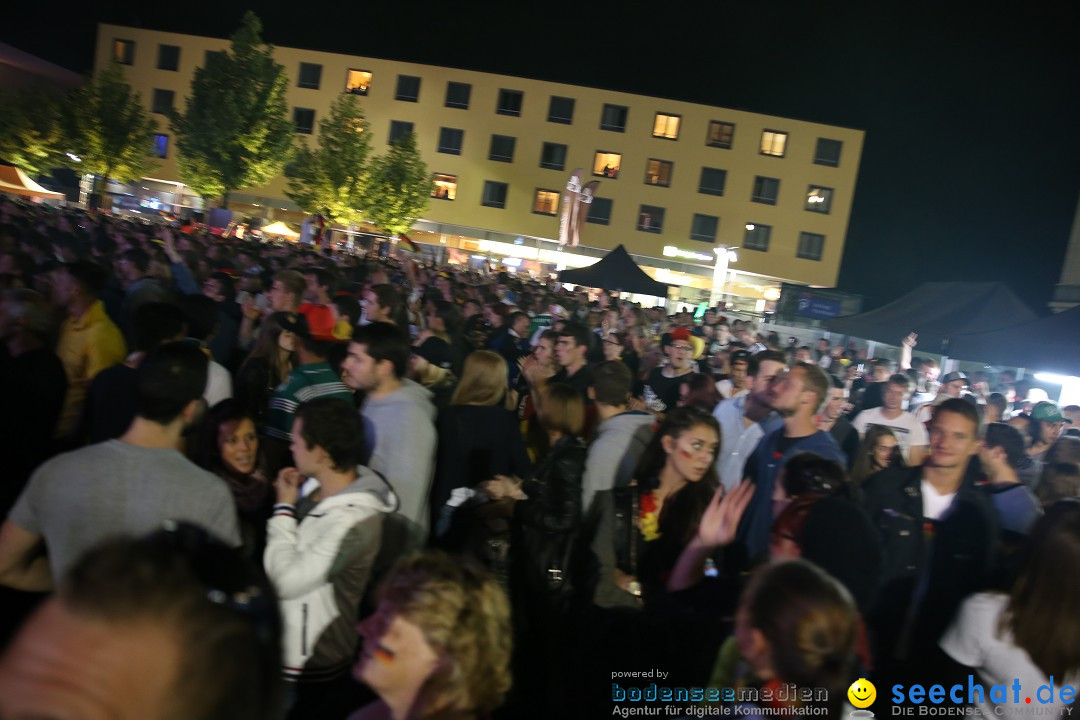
(650,218)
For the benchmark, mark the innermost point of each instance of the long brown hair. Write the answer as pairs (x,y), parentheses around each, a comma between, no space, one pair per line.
(1041,614)
(266,346)
(863,467)
(483,381)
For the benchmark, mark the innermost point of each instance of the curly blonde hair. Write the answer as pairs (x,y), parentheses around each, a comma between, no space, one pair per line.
(465,618)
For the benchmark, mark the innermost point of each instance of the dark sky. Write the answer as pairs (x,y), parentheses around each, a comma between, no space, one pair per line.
(971,167)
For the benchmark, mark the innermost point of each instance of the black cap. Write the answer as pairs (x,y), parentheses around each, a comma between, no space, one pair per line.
(436,351)
(295,323)
(955,375)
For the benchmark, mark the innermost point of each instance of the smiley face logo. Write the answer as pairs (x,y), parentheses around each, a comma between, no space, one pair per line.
(862,693)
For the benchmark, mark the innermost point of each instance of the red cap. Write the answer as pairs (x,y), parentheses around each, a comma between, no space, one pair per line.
(680,333)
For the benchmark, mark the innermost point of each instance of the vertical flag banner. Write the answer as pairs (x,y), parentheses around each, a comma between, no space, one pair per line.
(585,198)
(567,219)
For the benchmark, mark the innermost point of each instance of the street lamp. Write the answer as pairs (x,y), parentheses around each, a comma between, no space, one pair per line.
(724,255)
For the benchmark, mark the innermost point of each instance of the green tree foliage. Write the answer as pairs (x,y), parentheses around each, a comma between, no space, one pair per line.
(33,136)
(400,187)
(110,130)
(234,131)
(332,178)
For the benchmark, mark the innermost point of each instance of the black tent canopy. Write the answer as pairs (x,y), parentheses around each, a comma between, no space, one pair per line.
(617,271)
(938,312)
(1049,344)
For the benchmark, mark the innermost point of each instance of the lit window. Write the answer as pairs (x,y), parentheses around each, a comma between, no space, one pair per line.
(408,88)
(162,101)
(357,82)
(398,130)
(561,110)
(168,57)
(304,119)
(766,189)
(124,51)
(553,156)
(811,246)
(658,172)
(310,76)
(457,95)
(502,148)
(444,186)
(614,118)
(819,199)
(720,134)
(666,126)
(704,228)
(599,211)
(712,181)
(510,102)
(494,194)
(160,146)
(650,219)
(546,203)
(450,140)
(828,152)
(607,164)
(773,143)
(757,237)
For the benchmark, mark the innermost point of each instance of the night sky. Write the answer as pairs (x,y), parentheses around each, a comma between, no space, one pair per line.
(971,167)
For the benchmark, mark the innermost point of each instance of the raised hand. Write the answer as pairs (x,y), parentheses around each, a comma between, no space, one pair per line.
(287,485)
(721,518)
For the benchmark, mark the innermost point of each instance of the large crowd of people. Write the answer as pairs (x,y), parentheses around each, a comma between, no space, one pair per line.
(257,480)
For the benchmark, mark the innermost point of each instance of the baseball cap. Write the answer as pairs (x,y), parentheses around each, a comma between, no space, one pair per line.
(1048,412)
(295,323)
(740,356)
(436,352)
(955,375)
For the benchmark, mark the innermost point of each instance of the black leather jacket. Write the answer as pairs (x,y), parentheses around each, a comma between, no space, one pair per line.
(546,524)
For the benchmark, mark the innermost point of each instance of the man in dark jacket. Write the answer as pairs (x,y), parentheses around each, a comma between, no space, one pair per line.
(938,535)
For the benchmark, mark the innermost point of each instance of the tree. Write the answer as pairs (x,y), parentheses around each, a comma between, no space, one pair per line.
(333,178)
(111,132)
(33,136)
(234,131)
(400,187)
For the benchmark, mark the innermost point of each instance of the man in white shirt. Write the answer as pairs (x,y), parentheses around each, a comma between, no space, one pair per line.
(910,433)
(744,420)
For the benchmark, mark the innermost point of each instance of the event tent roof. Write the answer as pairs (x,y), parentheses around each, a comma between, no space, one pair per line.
(14,181)
(1049,344)
(938,312)
(616,271)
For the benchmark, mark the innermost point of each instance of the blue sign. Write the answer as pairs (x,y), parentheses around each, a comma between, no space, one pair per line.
(814,307)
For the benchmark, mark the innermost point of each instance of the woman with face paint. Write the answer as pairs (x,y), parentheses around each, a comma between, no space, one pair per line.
(438,645)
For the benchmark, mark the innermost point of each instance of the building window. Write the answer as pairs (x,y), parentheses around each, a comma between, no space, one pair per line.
(457,95)
(765,190)
(599,211)
(210,55)
(309,76)
(828,152)
(650,219)
(398,130)
(124,51)
(494,194)
(757,237)
(304,119)
(444,186)
(162,102)
(561,110)
(160,146)
(357,82)
(408,88)
(450,140)
(712,181)
(819,199)
(546,202)
(658,172)
(773,143)
(614,118)
(607,164)
(502,148)
(720,134)
(666,126)
(509,102)
(811,246)
(553,156)
(168,57)
(704,228)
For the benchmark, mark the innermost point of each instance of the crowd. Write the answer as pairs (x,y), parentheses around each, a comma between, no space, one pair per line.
(248,480)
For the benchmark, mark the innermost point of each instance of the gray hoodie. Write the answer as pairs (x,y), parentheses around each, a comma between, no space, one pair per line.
(400,434)
(614,453)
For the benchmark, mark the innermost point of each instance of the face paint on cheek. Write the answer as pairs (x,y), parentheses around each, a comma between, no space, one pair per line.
(685,454)
(384,654)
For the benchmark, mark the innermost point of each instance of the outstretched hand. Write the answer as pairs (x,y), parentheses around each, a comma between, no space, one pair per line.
(722,516)
(911,340)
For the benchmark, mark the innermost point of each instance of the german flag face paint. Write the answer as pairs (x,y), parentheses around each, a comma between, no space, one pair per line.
(384,654)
